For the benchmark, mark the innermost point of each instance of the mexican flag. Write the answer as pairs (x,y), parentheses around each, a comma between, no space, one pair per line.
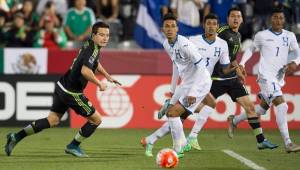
(25,61)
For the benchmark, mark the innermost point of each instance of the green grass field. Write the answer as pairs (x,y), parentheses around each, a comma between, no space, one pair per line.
(120,149)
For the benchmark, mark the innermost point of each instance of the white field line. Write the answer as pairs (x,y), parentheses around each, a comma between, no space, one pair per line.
(244,160)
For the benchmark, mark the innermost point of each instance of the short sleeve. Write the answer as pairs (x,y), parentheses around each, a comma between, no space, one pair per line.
(89,57)
(224,59)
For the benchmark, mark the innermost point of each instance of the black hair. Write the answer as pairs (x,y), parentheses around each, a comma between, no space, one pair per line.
(169,16)
(99,25)
(277,10)
(49,4)
(233,9)
(211,16)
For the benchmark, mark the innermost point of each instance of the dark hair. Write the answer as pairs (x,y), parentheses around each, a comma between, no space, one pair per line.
(169,16)
(277,10)
(211,16)
(233,9)
(99,25)
(49,4)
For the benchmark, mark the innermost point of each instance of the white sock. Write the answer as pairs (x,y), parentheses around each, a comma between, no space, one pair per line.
(281,120)
(201,120)
(176,131)
(243,116)
(161,132)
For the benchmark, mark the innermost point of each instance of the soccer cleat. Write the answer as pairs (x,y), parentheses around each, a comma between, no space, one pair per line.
(266,145)
(163,109)
(187,147)
(231,127)
(148,147)
(75,151)
(193,142)
(292,147)
(180,154)
(10,144)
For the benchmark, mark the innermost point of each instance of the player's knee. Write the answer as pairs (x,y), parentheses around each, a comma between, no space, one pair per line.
(95,118)
(53,120)
(250,110)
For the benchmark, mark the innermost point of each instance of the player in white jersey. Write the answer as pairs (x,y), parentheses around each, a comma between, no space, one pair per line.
(274,45)
(212,49)
(195,79)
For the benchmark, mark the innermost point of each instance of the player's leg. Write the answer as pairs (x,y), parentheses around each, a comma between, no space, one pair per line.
(57,110)
(205,109)
(260,109)
(83,107)
(176,127)
(253,120)
(281,109)
(148,142)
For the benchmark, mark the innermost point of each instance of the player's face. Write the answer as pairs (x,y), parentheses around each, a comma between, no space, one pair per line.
(277,20)
(170,29)
(235,19)
(101,37)
(211,26)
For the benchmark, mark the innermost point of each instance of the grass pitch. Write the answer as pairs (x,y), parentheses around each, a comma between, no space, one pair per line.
(119,149)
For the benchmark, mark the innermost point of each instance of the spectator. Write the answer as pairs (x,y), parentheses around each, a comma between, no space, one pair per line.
(108,12)
(30,16)
(219,7)
(50,37)
(79,14)
(262,10)
(17,36)
(128,13)
(50,14)
(187,11)
(61,7)
(9,7)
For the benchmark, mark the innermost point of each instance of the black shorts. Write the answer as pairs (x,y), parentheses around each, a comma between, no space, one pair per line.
(77,101)
(233,87)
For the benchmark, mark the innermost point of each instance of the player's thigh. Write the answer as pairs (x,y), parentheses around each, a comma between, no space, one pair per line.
(81,105)
(209,100)
(247,104)
(218,88)
(57,109)
(236,90)
(270,91)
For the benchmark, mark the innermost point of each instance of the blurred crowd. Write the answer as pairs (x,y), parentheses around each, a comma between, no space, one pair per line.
(66,23)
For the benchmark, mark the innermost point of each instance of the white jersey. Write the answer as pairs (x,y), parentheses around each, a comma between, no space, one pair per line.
(188,63)
(274,49)
(212,52)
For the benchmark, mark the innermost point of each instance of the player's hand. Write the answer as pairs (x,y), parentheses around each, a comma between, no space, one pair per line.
(291,68)
(102,86)
(112,80)
(190,100)
(243,70)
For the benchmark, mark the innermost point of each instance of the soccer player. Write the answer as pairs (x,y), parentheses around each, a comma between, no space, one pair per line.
(195,79)
(231,83)
(212,49)
(274,45)
(69,93)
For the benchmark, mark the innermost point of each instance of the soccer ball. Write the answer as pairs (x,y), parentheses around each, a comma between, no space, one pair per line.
(167,158)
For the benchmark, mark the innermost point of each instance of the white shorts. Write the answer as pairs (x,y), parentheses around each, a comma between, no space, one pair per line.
(181,93)
(269,90)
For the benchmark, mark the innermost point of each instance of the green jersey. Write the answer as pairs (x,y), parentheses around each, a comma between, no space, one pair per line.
(233,40)
(79,21)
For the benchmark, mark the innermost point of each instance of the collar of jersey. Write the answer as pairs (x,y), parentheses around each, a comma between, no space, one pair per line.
(173,43)
(276,33)
(207,41)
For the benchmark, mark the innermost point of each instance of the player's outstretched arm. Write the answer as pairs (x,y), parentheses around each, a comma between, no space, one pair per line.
(101,70)
(90,76)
